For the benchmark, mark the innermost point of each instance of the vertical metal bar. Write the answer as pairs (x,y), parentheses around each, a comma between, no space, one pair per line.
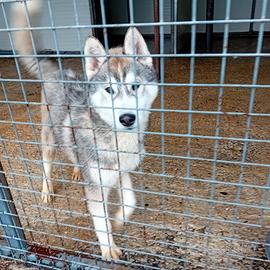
(79,36)
(9,218)
(191,81)
(93,16)
(209,27)
(61,72)
(132,20)
(218,120)
(162,106)
(190,102)
(174,27)
(157,37)
(252,97)
(252,16)
(106,43)
(250,110)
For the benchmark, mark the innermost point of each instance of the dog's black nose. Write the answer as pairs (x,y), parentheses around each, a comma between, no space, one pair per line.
(127,119)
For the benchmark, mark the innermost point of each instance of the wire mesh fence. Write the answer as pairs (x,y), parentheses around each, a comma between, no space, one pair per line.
(199,169)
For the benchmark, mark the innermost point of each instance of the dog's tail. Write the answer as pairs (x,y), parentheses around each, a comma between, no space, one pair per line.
(21,13)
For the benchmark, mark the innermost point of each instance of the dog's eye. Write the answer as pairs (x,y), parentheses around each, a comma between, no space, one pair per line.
(135,87)
(109,90)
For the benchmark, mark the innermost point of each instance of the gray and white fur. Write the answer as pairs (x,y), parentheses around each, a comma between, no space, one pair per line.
(80,117)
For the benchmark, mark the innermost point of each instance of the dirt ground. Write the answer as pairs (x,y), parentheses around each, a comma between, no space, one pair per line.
(9,265)
(184,220)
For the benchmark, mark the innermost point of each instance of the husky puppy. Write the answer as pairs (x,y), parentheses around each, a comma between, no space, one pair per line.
(96,124)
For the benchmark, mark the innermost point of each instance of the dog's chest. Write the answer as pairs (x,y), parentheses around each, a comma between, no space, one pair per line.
(122,150)
(113,150)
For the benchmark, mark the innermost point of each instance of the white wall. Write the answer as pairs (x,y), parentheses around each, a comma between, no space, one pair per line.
(63,15)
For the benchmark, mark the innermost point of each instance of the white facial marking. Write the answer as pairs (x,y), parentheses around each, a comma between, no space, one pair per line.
(124,101)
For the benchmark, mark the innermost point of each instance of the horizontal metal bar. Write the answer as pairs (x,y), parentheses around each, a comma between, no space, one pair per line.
(229,113)
(147,209)
(125,25)
(192,179)
(216,85)
(171,213)
(169,134)
(160,55)
(150,154)
(165,194)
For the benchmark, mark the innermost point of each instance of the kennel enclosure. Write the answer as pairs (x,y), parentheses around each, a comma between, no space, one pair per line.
(203,187)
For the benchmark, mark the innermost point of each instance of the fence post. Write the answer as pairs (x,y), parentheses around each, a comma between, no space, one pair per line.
(9,219)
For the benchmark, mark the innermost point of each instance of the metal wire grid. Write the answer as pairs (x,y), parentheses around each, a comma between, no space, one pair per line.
(15,175)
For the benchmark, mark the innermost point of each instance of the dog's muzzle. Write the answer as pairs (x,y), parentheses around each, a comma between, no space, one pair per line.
(127,119)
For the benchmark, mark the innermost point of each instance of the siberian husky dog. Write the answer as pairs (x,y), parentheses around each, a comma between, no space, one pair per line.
(96,122)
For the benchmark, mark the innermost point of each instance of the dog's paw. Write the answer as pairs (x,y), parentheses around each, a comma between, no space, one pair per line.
(76,175)
(111,253)
(46,197)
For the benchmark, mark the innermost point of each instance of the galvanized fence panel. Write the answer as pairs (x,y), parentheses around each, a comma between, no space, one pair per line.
(202,186)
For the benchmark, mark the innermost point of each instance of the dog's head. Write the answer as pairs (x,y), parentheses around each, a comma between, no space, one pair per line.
(125,87)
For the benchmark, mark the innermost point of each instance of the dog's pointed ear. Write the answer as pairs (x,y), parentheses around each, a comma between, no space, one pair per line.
(93,50)
(134,44)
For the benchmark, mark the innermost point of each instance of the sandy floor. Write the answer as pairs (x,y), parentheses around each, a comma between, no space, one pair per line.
(204,223)
(8,265)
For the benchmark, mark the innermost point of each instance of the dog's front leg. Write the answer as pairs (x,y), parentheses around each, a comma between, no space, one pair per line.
(128,202)
(48,153)
(97,197)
